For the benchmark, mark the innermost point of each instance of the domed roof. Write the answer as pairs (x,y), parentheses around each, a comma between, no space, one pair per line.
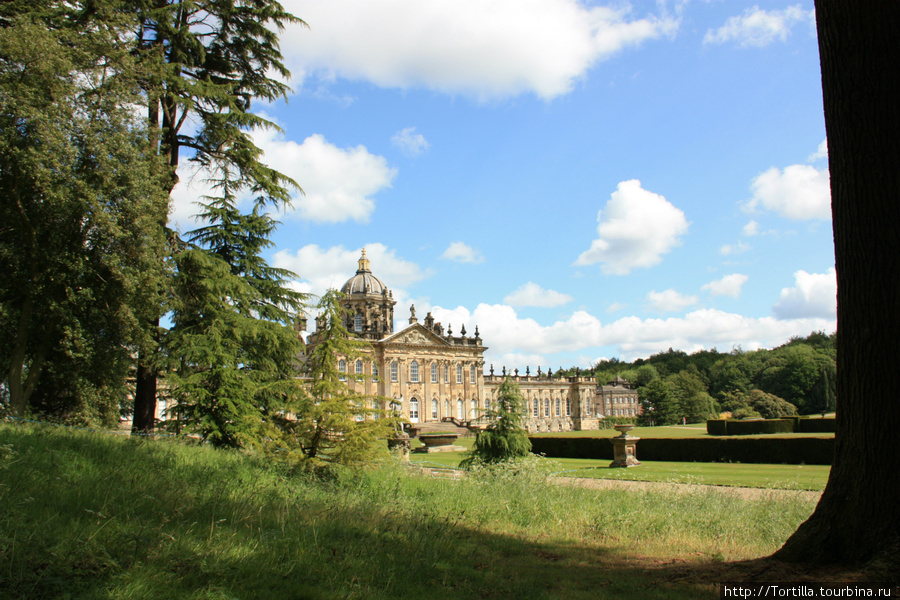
(363,282)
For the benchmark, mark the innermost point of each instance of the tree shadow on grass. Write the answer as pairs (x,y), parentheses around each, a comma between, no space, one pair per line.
(89,517)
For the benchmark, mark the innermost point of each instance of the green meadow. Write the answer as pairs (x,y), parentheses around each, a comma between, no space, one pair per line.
(91,515)
(786,477)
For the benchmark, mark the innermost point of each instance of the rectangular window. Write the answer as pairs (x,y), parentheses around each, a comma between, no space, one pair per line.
(446,374)
(414,372)
(458,373)
(472,374)
(375,371)
(434,373)
(394,371)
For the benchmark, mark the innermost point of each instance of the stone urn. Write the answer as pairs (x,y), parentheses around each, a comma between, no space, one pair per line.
(439,442)
(624,429)
(625,447)
(399,444)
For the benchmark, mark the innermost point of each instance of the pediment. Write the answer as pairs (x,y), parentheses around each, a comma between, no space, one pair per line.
(416,335)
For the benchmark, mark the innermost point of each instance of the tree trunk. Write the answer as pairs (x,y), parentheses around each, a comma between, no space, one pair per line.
(857,519)
(144,418)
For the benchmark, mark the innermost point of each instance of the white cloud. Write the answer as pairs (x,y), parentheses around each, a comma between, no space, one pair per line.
(638,228)
(409,142)
(751,229)
(505,333)
(669,301)
(484,49)
(323,268)
(730,285)
(820,153)
(615,307)
(814,295)
(799,192)
(531,294)
(738,248)
(338,183)
(463,253)
(757,27)
(192,186)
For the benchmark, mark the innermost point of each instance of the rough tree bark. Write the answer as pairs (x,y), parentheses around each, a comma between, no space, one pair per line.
(857,520)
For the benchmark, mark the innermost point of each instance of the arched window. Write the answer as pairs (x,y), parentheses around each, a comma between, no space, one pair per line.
(535,412)
(414,410)
(394,371)
(414,372)
(359,367)
(558,407)
(446,408)
(434,409)
(460,409)
(342,368)
(434,373)
(471,373)
(474,408)
(487,405)
(458,373)
(357,322)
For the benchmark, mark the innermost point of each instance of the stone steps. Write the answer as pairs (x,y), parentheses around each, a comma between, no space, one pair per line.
(433,427)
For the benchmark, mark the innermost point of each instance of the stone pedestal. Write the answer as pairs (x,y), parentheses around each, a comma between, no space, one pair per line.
(625,448)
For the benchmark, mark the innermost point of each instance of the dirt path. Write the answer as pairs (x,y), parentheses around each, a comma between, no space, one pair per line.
(743,492)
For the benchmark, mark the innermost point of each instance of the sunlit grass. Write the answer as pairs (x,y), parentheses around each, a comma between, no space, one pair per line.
(93,516)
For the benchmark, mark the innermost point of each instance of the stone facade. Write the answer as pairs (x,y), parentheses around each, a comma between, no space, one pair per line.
(433,375)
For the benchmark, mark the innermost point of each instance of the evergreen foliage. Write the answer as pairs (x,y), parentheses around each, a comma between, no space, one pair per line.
(504,438)
(205,61)
(77,238)
(233,342)
(330,422)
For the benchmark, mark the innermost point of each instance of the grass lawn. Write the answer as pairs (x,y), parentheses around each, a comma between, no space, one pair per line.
(789,477)
(87,516)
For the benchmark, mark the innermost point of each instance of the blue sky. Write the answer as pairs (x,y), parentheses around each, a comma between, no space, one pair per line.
(581,180)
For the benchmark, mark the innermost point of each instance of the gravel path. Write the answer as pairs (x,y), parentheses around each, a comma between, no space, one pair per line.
(744,492)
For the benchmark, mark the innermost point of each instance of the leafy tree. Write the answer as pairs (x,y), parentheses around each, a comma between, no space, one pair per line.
(505,438)
(331,422)
(730,375)
(233,340)
(644,374)
(659,405)
(205,61)
(78,241)
(770,406)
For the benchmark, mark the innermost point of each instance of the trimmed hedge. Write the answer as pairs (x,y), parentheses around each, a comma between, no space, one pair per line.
(760,427)
(816,425)
(792,451)
(717,427)
(764,426)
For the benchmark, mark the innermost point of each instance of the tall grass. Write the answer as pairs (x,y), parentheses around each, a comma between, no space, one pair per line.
(95,516)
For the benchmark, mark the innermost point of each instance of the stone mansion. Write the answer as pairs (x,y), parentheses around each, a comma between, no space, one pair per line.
(434,375)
